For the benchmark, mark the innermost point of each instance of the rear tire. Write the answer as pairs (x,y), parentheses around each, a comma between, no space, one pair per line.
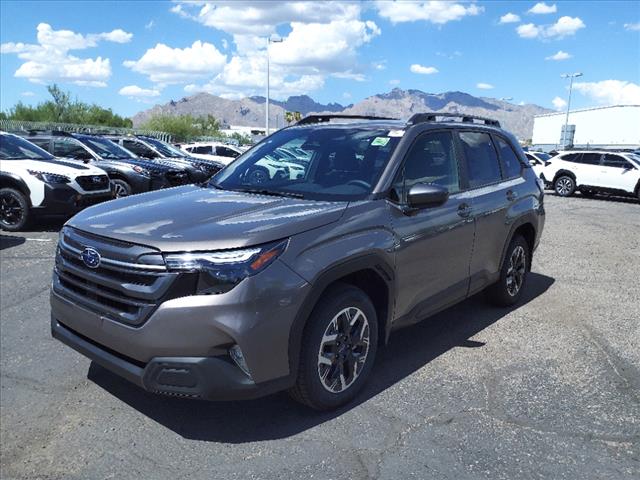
(513,275)
(14,210)
(564,185)
(121,188)
(339,346)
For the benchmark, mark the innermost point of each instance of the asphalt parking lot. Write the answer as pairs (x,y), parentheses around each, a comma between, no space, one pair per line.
(548,389)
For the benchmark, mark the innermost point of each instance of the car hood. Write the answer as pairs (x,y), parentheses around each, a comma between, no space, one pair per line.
(70,168)
(147,164)
(192,218)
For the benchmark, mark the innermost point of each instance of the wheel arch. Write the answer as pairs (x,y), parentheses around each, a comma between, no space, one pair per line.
(11,180)
(565,172)
(370,273)
(524,226)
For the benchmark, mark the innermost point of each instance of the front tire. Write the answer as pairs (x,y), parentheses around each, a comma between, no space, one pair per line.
(339,347)
(513,275)
(14,210)
(564,185)
(121,188)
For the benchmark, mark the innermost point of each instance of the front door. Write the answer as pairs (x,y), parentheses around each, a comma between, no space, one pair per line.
(617,173)
(433,244)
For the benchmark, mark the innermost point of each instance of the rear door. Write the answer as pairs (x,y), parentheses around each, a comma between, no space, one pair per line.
(618,173)
(491,193)
(434,244)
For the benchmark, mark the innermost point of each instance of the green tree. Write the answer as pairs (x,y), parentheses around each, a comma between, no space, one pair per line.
(184,127)
(63,109)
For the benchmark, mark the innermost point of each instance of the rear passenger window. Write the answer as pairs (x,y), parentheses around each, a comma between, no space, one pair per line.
(41,142)
(511,166)
(431,160)
(615,161)
(482,160)
(590,158)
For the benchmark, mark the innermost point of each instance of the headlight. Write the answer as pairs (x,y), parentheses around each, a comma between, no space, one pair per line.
(223,270)
(141,171)
(49,177)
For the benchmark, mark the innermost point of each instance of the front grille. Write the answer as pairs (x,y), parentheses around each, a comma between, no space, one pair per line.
(122,288)
(92,183)
(175,178)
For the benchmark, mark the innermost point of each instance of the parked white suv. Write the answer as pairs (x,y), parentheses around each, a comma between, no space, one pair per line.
(34,181)
(215,151)
(593,172)
(538,161)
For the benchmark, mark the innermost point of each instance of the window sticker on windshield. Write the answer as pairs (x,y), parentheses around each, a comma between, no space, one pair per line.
(380,141)
(396,133)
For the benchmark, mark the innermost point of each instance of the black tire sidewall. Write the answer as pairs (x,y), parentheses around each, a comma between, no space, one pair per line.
(328,306)
(24,204)
(499,294)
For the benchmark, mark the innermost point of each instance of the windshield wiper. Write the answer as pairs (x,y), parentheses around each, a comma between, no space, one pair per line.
(262,191)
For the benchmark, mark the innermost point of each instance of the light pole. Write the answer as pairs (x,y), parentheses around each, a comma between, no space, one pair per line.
(269,42)
(570,76)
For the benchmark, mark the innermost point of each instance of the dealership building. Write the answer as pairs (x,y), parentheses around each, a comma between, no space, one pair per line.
(617,126)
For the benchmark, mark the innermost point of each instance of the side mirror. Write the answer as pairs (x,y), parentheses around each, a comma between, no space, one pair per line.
(423,195)
(533,163)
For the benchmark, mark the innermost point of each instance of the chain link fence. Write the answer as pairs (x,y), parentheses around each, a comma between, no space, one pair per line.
(23,126)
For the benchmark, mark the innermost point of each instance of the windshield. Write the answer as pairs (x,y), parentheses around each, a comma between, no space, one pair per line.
(328,163)
(165,149)
(106,149)
(16,148)
(545,157)
(635,158)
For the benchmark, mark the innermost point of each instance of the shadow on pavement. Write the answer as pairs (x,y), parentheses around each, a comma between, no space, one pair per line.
(8,241)
(277,416)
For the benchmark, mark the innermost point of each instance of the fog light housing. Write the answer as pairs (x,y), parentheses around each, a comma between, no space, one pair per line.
(236,355)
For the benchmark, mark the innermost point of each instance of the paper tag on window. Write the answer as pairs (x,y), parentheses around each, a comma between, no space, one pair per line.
(380,141)
(396,133)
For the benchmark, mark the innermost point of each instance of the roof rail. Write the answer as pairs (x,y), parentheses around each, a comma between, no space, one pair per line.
(310,119)
(432,117)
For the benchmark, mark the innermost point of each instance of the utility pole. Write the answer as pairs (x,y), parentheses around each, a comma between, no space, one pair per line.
(570,76)
(269,42)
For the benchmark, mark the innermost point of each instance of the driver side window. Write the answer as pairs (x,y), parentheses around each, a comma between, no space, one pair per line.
(430,160)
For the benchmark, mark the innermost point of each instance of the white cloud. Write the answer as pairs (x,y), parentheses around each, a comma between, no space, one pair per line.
(260,18)
(437,12)
(346,95)
(136,91)
(610,92)
(542,8)
(150,24)
(564,27)
(49,60)
(634,27)
(334,29)
(28,94)
(528,30)
(165,65)
(509,18)
(484,86)
(422,70)
(558,103)
(559,56)
(394,82)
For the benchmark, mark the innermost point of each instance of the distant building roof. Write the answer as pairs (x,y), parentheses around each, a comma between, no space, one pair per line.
(585,110)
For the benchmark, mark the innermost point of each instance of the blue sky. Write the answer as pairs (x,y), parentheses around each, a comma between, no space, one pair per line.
(128,55)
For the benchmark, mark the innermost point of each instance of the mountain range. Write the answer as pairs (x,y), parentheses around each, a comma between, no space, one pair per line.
(397,103)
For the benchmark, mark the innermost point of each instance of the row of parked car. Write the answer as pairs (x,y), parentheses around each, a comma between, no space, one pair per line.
(59,173)
(591,172)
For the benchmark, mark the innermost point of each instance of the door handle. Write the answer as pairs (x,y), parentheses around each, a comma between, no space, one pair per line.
(511,195)
(464,210)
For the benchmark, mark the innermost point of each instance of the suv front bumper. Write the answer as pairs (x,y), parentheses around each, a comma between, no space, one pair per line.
(209,378)
(64,200)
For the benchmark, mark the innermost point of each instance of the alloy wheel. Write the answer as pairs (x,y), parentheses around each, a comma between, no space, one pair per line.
(119,190)
(564,186)
(11,211)
(343,350)
(516,271)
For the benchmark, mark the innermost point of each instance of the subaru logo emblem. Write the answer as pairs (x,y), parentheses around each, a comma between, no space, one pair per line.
(96,179)
(90,257)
